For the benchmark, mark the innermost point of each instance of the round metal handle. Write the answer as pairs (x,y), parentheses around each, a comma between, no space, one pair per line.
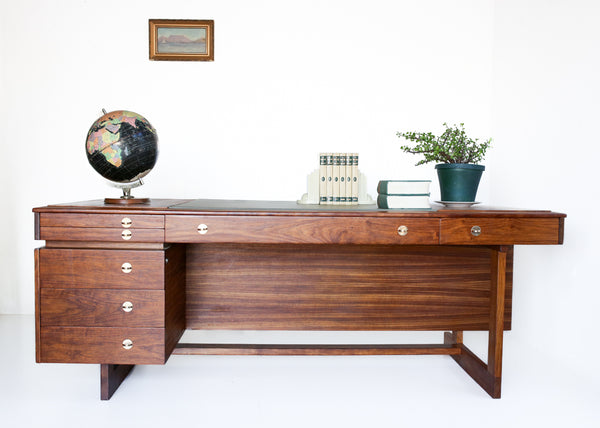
(126,222)
(202,229)
(127,306)
(126,267)
(402,230)
(476,231)
(126,235)
(127,344)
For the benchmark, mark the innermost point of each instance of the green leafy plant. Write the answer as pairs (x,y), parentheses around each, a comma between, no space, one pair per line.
(453,146)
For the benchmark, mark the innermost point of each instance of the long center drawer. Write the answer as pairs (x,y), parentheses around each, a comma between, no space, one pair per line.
(305,230)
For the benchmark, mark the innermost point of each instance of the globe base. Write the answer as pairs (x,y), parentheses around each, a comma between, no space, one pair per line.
(128,201)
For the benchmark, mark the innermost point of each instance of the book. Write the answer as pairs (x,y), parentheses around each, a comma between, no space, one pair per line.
(420,202)
(336,178)
(349,160)
(343,164)
(403,187)
(329,178)
(355,176)
(323,178)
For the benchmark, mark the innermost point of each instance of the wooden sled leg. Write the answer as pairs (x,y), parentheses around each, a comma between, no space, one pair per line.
(488,376)
(111,377)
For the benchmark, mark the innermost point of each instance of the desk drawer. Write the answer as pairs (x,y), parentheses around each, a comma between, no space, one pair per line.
(305,230)
(79,268)
(102,308)
(102,220)
(500,231)
(102,345)
(98,234)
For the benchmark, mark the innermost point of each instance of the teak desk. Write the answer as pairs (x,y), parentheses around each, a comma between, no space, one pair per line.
(118,285)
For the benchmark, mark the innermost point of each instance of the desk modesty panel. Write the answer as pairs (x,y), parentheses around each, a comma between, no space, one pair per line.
(117,285)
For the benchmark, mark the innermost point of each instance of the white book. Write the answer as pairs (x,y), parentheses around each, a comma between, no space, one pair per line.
(329,178)
(343,166)
(403,187)
(336,178)
(323,178)
(403,202)
(354,174)
(348,178)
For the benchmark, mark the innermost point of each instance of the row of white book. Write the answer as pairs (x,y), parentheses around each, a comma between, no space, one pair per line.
(403,194)
(339,179)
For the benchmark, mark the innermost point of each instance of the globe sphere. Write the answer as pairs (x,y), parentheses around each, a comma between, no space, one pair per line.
(122,146)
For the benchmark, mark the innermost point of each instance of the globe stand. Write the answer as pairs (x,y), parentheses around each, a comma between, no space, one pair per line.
(127,199)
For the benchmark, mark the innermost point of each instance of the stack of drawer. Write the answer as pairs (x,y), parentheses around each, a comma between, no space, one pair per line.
(108,292)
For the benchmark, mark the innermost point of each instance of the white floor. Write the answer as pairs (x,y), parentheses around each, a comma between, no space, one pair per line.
(403,391)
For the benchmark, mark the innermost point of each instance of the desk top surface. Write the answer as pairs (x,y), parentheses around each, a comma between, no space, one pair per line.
(287,208)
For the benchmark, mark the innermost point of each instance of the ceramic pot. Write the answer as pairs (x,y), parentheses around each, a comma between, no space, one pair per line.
(459,181)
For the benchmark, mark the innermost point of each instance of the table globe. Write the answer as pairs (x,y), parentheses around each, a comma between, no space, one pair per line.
(122,146)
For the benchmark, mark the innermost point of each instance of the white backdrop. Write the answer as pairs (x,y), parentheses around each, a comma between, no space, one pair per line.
(291,79)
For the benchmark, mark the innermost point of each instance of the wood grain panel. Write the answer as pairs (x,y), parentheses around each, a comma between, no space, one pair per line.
(264,349)
(501,231)
(81,268)
(102,308)
(100,234)
(330,287)
(315,230)
(101,220)
(102,345)
(175,273)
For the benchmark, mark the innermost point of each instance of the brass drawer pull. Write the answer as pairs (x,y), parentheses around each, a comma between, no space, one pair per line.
(202,229)
(126,235)
(476,231)
(127,344)
(127,306)
(402,230)
(126,267)
(126,222)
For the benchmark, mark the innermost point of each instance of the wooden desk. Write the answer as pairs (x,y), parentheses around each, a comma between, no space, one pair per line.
(118,285)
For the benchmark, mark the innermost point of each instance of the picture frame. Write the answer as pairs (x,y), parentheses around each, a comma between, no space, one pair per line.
(181,40)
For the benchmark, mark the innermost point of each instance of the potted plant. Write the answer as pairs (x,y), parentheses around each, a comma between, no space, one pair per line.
(458,158)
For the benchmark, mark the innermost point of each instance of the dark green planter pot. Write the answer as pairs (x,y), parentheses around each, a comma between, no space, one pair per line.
(459,181)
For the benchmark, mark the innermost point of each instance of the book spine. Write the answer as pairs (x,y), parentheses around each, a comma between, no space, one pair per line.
(329,178)
(355,176)
(382,202)
(349,160)
(336,179)
(342,179)
(323,178)
(382,187)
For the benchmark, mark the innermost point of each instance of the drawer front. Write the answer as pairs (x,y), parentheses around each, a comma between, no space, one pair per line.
(500,231)
(310,230)
(102,308)
(101,234)
(102,345)
(79,268)
(102,221)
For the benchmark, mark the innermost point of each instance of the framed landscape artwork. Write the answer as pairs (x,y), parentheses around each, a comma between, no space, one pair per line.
(181,40)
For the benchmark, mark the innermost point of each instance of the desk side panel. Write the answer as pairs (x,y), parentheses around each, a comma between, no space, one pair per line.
(335,287)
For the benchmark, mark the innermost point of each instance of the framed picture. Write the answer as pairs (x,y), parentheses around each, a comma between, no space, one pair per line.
(182,40)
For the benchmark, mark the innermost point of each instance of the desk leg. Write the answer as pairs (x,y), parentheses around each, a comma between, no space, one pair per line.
(111,377)
(488,376)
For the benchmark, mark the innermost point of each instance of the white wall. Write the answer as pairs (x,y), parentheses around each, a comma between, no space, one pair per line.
(545,121)
(291,79)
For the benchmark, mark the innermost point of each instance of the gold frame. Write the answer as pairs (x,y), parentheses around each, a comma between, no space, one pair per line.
(185,24)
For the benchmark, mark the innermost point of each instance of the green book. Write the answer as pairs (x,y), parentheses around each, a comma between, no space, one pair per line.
(417,202)
(403,187)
